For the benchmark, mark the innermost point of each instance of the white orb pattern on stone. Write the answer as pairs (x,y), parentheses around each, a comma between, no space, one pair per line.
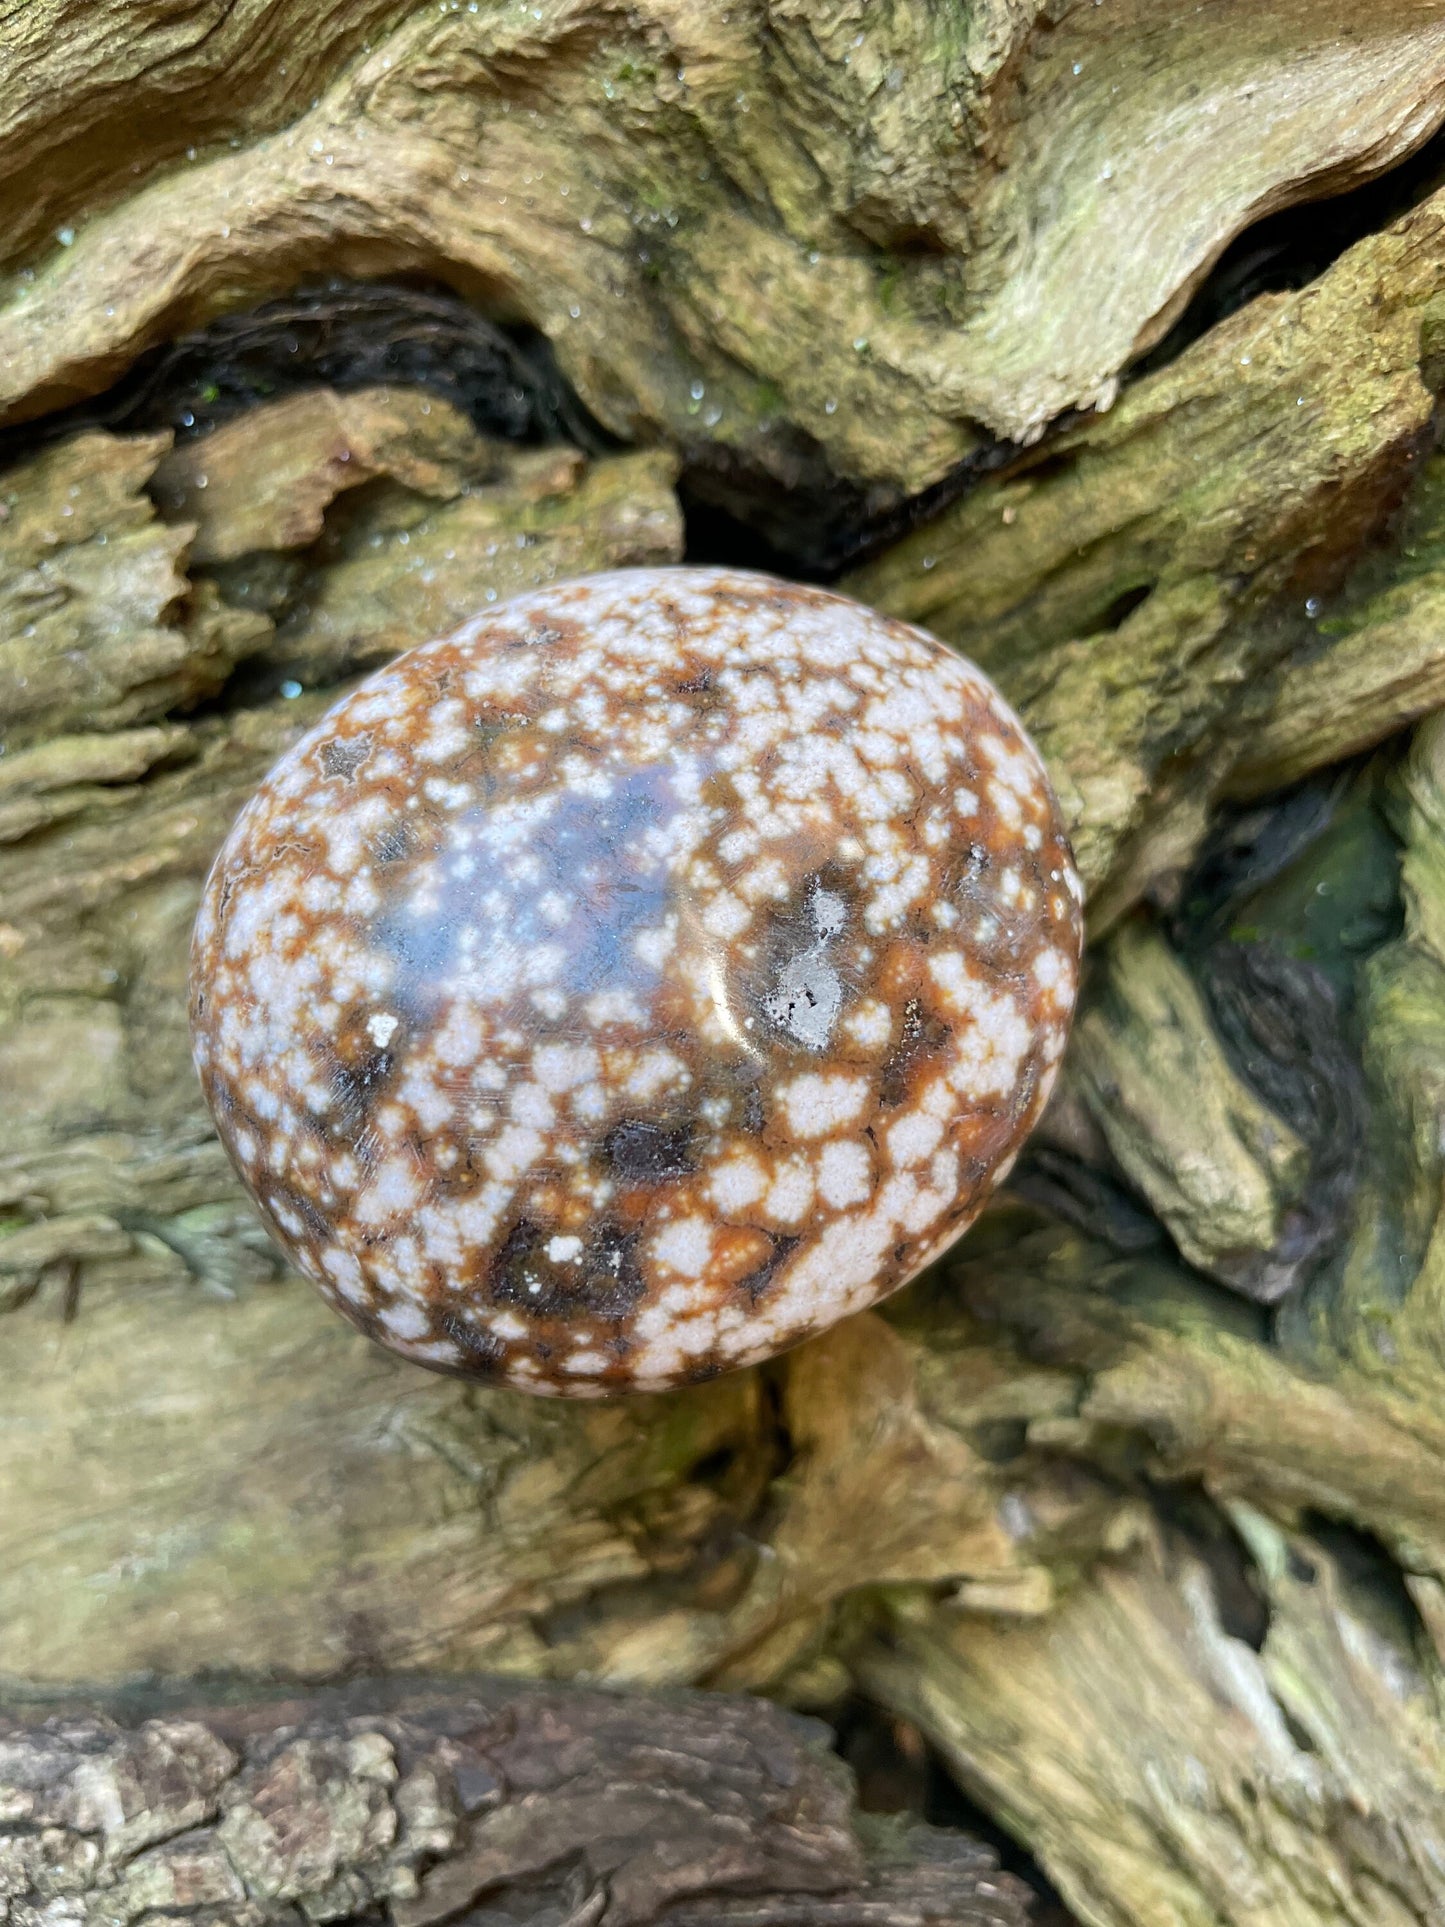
(629,985)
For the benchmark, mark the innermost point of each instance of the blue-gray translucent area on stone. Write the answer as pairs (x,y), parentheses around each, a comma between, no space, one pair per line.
(552,892)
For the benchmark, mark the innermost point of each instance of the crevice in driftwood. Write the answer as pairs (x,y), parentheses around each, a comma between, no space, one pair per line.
(505,378)
(342,335)
(899,1770)
(1287,250)
(801,510)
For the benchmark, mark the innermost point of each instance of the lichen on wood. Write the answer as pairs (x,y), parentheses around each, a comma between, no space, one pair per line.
(1222,1171)
(864,241)
(1142,586)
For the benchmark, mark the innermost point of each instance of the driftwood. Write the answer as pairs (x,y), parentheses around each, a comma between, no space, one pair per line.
(322,326)
(807,246)
(486,1803)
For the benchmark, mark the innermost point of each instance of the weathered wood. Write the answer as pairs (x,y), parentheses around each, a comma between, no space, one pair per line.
(424,1803)
(1161,1573)
(1230,1784)
(1164,590)
(1221,1171)
(865,242)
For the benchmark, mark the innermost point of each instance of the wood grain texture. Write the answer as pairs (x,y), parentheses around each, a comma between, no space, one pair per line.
(1139,587)
(1159,1571)
(867,240)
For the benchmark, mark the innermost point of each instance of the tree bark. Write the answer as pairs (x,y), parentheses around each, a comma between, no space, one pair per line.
(470,1801)
(324,327)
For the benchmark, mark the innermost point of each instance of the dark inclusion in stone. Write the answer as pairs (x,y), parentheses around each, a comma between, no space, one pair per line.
(639,1151)
(603,1281)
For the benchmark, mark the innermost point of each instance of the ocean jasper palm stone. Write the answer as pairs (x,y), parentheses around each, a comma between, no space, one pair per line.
(623,988)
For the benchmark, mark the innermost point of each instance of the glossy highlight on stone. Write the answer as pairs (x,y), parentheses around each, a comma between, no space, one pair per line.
(629,985)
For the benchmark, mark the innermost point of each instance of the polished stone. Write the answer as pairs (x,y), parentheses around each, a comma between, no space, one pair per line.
(633,983)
